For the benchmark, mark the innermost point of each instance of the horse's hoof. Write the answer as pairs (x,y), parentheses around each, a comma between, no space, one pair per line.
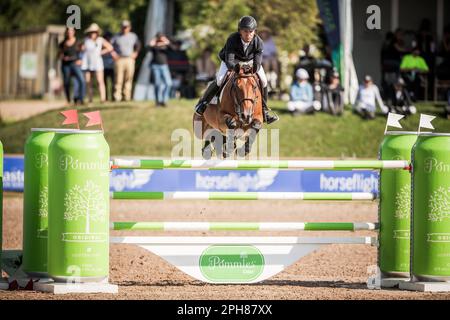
(256,125)
(227,155)
(231,123)
(207,153)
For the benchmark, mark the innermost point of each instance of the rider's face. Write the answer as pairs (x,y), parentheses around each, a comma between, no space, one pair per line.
(247,35)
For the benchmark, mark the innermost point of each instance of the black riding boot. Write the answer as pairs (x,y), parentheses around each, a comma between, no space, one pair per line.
(210,92)
(269,118)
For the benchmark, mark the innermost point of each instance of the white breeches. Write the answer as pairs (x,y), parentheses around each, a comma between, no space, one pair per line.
(301,106)
(220,76)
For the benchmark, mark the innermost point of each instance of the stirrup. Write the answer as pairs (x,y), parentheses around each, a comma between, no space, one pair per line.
(269,119)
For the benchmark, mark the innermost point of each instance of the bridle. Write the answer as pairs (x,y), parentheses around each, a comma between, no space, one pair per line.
(238,102)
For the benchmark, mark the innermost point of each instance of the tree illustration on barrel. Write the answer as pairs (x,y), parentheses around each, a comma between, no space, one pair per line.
(402,202)
(439,204)
(86,202)
(43,203)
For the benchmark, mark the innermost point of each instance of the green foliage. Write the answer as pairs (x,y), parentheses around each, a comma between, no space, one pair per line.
(25,14)
(211,21)
(293,23)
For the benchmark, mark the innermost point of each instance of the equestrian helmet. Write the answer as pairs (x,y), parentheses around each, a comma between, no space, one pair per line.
(247,22)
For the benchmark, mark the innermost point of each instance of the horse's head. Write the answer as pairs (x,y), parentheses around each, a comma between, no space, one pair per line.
(245,87)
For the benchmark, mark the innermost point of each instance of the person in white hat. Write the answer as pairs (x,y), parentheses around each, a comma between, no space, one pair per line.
(301,94)
(367,99)
(93,48)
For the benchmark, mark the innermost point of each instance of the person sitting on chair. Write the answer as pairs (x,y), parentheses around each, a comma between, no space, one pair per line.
(241,46)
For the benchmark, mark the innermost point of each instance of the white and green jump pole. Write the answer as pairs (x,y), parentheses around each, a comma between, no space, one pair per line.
(242,226)
(258,164)
(199,195)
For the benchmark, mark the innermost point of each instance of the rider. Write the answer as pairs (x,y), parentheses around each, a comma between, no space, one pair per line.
(241,46)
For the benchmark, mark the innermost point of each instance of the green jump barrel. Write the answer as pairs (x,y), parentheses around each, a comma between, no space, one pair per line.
(430,256)
(35,202)
(1,202)
(395,205)
(78,201)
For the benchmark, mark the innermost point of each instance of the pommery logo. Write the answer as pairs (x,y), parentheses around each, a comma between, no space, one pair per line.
(432,164)
(234,180)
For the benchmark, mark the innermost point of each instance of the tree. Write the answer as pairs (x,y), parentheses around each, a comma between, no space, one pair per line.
(25,14)
(293,22)
(86,202)
(211,21)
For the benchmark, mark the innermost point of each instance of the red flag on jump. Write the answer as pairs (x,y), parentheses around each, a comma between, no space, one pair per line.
(94,118)
(71,117)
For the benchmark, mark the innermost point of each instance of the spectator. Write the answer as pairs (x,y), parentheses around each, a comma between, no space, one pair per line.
(334,95)
(70,65)
(301,94)
(399,100)
(443,69)
(411,67)
(108,72)
(306,61)
(160,68)
(390,61)
(427,46)
(205,67)
(399,43)
(126,45)
(178,62)
(93,48)
(367,98)
(270,57)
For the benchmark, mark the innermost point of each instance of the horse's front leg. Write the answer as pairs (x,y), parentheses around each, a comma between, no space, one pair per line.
(229,120)
(250,138)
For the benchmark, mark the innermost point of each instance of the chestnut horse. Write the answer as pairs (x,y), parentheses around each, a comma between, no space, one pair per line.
(238,115)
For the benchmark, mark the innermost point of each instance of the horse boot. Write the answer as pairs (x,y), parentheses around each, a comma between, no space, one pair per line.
(268,118)
(210,92)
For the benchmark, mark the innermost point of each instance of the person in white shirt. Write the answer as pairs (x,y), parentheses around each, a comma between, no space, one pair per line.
(301,94)
(93,48)
(367,99)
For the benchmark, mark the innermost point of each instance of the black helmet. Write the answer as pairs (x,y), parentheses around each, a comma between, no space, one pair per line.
(247,22)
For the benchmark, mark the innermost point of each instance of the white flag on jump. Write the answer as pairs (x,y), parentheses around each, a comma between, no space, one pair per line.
(425,121)
(393,120)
